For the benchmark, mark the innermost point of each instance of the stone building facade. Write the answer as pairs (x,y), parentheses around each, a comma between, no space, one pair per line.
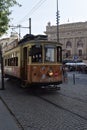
(73,37)
(4,42)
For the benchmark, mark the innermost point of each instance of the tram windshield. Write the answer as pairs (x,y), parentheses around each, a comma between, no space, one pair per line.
(46,53)
(36,53)
(49,53)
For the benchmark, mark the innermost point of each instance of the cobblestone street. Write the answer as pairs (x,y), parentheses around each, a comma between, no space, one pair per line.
(62,110)
(43,65)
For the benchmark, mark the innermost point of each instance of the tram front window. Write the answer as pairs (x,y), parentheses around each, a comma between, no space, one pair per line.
(50,54)
(36,51)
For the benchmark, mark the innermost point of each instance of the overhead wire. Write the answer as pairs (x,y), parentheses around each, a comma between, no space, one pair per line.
(36,7)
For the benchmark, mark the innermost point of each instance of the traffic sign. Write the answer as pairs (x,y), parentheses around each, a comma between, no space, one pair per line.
(75,57)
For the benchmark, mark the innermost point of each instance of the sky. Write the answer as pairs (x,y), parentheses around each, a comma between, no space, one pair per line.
(43,11)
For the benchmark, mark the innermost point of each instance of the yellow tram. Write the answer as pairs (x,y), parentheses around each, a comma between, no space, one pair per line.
(35,61)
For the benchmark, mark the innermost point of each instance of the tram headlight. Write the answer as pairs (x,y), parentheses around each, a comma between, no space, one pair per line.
(50,73)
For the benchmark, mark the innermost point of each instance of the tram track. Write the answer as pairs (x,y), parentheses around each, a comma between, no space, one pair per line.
(75,98)
(71,97)
(52,99)
(61,107)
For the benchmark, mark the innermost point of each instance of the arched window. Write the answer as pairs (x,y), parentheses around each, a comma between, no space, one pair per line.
(80,43)
(68,44)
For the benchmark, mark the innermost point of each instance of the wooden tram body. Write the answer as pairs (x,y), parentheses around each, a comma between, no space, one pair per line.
(35,62)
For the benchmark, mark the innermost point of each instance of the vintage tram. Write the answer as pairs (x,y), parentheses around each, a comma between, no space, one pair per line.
(35,61)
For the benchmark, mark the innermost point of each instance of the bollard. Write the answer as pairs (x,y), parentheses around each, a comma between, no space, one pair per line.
(73,78)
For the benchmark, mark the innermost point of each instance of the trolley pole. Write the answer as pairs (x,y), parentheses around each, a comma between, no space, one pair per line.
(29,25)
(2,70)
(57,14)
(73,78)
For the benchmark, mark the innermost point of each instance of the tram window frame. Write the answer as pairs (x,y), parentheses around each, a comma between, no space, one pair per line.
(36,53)
(50,53)
(16,63)
(6,62)
(12,61)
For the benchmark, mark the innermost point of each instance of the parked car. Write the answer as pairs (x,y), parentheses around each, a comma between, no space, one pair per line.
(78,66)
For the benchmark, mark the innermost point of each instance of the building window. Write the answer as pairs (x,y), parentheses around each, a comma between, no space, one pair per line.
(79,43)
(68,53)
(6,44)
(80,52)
(68,44)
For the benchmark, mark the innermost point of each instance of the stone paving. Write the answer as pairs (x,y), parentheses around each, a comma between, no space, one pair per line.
(7,121)
(35,114)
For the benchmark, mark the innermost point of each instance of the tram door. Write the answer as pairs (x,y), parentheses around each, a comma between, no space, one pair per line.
(24,76)
(59,54)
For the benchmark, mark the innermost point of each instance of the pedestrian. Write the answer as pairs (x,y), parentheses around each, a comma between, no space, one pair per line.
(65,75)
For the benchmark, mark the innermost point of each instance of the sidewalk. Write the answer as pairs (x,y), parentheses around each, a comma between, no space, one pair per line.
(6,120)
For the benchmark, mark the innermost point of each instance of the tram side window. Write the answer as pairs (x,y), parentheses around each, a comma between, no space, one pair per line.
(16,61)
(6,62)
(36,51)
(12,61)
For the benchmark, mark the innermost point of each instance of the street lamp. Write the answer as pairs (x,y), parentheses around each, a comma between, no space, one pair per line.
(2,70)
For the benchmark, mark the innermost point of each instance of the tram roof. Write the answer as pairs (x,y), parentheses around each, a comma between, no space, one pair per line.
(36,39)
